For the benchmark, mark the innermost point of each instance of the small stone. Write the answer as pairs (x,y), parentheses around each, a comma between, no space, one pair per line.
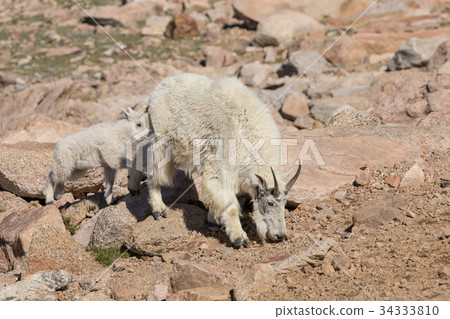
(413,177)
(340,196)
(392,181)
(444,271)
(363,177)
(304,122)
(158,293)
(410,214)
(227,254)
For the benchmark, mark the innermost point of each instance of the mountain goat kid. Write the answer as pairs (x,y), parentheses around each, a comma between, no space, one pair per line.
(101,145)
(222,131)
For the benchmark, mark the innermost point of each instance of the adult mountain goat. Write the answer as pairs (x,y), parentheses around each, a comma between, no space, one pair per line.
(101,145)
(213,128)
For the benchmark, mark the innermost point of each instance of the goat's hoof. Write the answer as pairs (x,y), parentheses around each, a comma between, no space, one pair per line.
(238,243)
(49,203)
(213,224)
(157,215)
(246,243)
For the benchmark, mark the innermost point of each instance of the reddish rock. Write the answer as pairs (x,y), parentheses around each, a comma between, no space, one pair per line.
(53,248)
(42,130)
(403,98)
(12,203)
(182,26)
(392,181)
(18,228)
(440,57)
(439,93)
(332,157)
(362,178)
(188,275)
(202,294)
(379,212)
(218,57)
(295,105)
(37,159)
(52,52)
(351,50)
(168,233)
(403,24)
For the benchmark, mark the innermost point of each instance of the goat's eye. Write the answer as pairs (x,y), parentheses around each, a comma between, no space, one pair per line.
(128,176)
(139,125)
(270,204)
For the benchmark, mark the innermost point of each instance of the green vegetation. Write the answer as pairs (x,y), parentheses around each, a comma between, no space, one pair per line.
(2,210)
(71,229)
(91,208)
(106,256)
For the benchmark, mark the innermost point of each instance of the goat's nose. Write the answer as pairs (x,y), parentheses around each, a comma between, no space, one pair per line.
(281,236)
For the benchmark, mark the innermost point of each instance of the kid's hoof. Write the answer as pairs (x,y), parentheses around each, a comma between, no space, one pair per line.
(222,227)
(238,243)
(246,243)
(49,203)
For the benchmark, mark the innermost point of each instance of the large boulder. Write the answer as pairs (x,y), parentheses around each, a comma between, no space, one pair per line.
(282,27)
(155,238)
(303,62)
(17,228)
(12,203)
(52,248)
(415,53)
(40,286)
(42,130)
(332,157)
(24,168)
(352,50)
(440,57)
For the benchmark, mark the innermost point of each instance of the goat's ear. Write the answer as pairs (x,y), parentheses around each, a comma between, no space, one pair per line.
(125,113)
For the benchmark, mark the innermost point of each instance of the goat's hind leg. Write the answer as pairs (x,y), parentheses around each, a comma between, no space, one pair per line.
(49,188)
(159,177)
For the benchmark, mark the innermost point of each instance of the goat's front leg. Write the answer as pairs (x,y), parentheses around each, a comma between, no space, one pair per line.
(224,209)
(110,176)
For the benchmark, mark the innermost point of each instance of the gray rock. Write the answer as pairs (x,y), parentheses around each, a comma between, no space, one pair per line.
(155,25)
(413,177)
(152,238)
(112,226)
(39,286)
(255,73)
(158,293)
(310,62)
(283,27)
(272,97)
(304,122)
(415,53)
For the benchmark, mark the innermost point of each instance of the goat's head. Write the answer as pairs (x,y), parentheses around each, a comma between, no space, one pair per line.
(136,120)
(269,213)
(135,178)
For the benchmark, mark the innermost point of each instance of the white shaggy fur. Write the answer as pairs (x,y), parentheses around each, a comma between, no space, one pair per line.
(101,145)
(223,109)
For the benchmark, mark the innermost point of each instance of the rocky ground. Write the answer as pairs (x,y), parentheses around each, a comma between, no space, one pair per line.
(369,216)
